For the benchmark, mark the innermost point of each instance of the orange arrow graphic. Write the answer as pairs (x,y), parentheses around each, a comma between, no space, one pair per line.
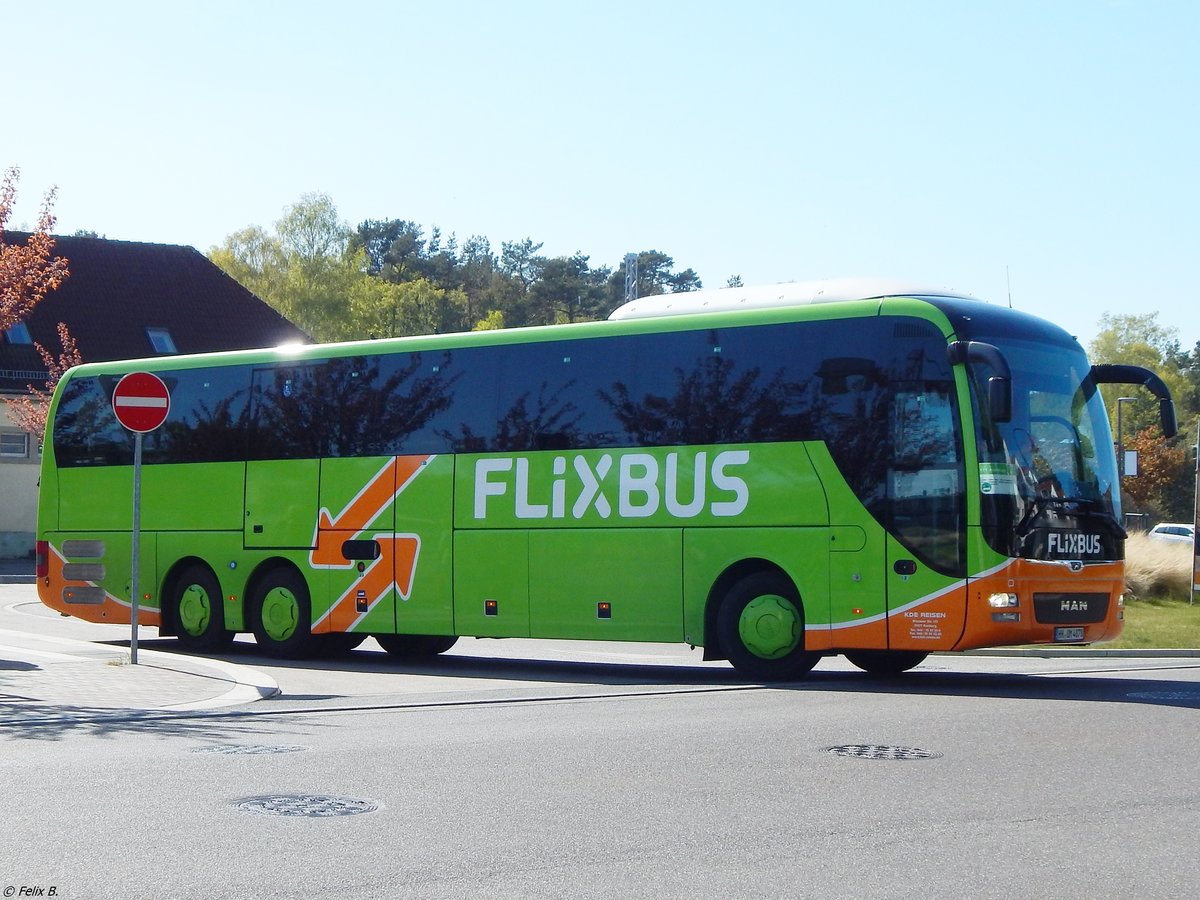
(397,564)
(363,509)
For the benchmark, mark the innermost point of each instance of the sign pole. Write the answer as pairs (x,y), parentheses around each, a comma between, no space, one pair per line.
(137,542)
(141,403)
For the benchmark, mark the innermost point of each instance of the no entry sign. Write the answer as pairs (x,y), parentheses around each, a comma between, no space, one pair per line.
(141,402)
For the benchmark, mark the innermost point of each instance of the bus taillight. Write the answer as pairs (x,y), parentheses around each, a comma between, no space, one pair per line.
(42,559)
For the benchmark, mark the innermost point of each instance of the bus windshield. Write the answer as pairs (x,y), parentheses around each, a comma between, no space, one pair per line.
(1050,466)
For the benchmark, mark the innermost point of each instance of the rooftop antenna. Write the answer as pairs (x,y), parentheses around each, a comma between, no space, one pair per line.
(1008,279)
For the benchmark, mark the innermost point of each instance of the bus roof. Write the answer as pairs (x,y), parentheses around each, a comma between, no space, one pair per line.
(767,296)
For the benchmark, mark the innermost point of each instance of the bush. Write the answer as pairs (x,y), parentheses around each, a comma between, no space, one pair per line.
(1161,569)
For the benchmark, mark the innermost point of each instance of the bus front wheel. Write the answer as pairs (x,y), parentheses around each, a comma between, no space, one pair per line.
(761,627)
(886,663)
(195,605)
(282,616)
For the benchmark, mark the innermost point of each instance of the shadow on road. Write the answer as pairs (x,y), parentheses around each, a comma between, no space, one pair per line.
(1087,686)
(32,721)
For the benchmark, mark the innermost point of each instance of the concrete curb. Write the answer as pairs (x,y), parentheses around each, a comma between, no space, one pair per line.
(238,684)
(248,684)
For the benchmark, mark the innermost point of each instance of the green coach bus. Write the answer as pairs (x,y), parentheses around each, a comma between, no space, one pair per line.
(773,474)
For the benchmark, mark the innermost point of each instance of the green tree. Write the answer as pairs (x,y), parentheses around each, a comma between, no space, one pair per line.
(305,269)
(493,321)
(254,259)
(339,283)
(381,309)
(1163,486)
(569,290)
(312,235)
(654,276)
(520,260)
(1139,340)
(381,238)
(1189,367)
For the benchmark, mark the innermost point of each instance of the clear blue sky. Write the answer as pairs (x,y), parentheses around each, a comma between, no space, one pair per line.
(945,142)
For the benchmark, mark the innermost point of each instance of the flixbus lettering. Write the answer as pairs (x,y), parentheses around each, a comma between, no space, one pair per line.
(1073,543)
(643,486)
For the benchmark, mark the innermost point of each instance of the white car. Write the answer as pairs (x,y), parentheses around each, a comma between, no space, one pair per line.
(1169,531)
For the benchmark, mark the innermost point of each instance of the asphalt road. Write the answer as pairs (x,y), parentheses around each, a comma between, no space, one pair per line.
(523,769)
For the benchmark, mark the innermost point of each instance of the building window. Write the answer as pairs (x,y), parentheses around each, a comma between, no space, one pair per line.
(161,340)
(14,444)
(18,334)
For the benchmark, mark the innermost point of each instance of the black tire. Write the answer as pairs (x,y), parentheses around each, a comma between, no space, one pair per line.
(197,611)
(281,616)
(886,663)
(409,646)
(760,624)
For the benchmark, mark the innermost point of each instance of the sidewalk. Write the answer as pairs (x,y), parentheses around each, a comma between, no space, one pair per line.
(47,675)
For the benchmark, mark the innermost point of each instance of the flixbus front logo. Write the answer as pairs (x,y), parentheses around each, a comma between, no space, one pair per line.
(638,485)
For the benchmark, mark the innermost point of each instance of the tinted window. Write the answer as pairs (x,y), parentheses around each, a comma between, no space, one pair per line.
(208,417)
(86,432)
(207,421)
(878,391)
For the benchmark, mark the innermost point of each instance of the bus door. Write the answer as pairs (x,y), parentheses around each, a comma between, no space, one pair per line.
(356,545)
(925,508)
(283,462)
(383,535)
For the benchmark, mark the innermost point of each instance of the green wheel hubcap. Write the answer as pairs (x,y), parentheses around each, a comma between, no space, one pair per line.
(280,614)
(770,626)
(195,610)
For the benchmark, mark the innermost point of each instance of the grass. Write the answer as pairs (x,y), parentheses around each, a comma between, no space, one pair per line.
(1158,624)
(1158,584)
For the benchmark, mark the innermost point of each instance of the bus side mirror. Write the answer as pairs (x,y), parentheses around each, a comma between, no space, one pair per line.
(1166,412)
(1000,398)
(999,386)
(1116,373)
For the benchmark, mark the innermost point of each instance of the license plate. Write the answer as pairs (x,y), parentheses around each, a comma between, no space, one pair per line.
(1068,634)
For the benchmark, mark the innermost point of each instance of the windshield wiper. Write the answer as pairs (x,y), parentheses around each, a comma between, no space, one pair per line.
(1040,504)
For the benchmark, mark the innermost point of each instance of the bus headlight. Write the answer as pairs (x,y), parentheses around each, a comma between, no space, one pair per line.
(1003,601)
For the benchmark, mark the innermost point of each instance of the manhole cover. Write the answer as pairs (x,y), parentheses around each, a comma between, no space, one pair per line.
(249,749)
(1193,696)
(881,751)
(313,806)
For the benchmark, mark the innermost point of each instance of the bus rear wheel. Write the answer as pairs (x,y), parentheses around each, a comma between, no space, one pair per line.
(195,605)
(760,624)
(282,616)
(409,646)
(886,663)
